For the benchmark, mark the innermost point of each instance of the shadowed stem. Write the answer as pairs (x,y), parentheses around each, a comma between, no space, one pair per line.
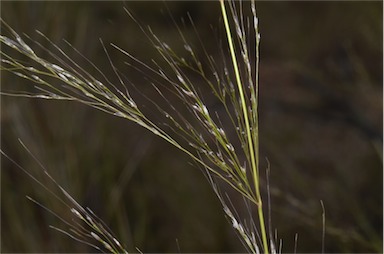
(251,143)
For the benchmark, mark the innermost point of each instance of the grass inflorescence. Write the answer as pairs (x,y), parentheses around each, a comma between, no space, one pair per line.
(201,134)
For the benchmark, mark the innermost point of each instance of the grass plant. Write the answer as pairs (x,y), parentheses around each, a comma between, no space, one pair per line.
(85,226)
(232,159)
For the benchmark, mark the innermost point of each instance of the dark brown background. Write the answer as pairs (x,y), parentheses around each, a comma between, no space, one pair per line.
(320,128)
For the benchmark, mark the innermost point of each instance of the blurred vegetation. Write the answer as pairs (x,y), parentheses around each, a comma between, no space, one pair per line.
(320,128)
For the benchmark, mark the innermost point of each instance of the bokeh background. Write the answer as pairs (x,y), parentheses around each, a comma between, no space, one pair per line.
(321,118)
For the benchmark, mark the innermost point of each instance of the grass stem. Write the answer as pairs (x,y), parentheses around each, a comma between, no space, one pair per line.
(251,144)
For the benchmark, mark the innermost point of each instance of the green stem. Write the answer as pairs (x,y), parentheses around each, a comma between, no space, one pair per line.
(248,129)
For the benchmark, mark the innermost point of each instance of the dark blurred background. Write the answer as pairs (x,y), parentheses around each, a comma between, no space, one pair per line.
(320,128)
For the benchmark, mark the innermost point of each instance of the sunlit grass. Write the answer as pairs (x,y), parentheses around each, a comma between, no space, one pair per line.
(200,134)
